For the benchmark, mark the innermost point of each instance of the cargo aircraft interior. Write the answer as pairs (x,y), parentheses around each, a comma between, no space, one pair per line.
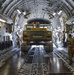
(36,37)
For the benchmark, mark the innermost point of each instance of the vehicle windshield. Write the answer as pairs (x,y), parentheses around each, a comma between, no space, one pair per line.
(48,27)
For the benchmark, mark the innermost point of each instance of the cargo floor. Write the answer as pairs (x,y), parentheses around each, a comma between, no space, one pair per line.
(37,62)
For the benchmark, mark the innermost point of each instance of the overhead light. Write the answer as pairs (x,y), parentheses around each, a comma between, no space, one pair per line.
(2,20)
(73,22)
(54,14)
(59,13)
(18,11)
(24,13)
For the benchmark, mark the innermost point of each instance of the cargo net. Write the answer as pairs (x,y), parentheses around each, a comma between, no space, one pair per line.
(34,69)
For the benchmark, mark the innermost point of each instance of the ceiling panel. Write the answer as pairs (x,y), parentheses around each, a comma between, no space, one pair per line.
(37,8)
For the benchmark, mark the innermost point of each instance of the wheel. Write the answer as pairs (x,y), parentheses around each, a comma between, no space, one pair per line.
(49,47)
(24,47)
